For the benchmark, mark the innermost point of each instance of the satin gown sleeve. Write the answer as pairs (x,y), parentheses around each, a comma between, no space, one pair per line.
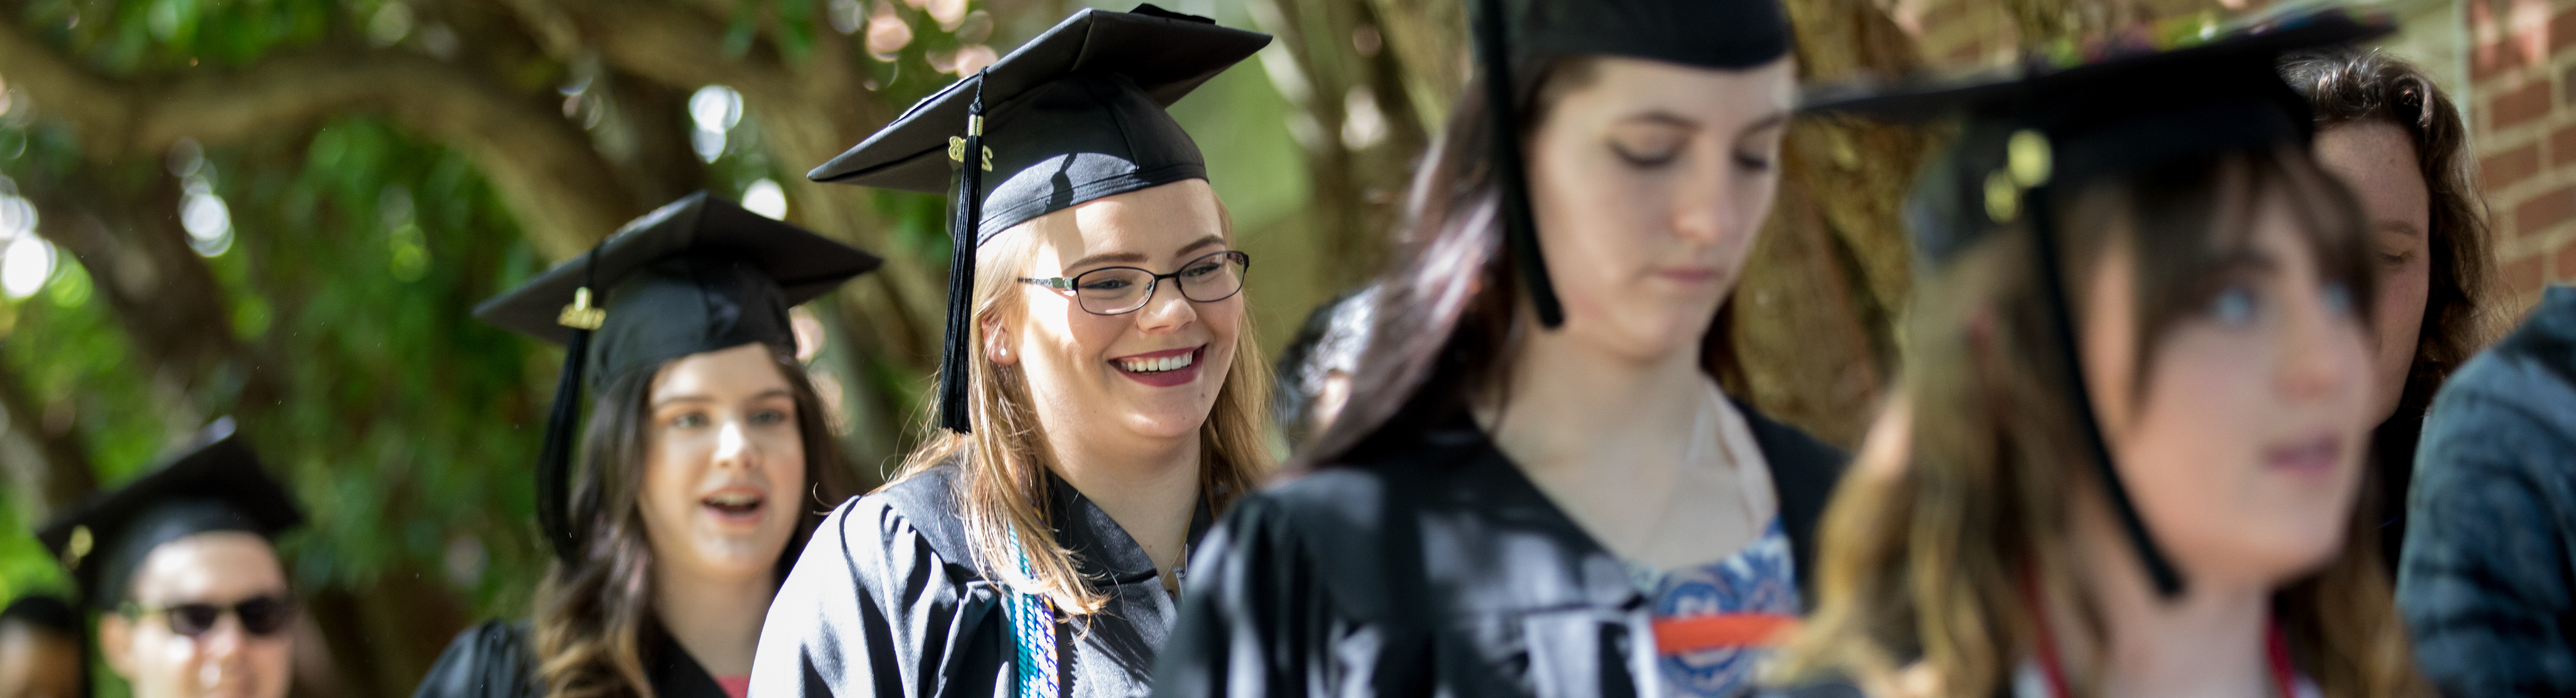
(491,660)
(872,609)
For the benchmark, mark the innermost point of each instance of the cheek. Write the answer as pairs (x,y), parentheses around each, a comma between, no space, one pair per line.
(671,466)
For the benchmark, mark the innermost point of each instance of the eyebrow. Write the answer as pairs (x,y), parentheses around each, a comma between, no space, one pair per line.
(1139,257)
(676,399)
(2399,226)
(1770,121)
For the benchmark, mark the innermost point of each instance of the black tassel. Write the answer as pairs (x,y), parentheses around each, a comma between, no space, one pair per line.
(554,463)
(554,460)
(969,211)
(1520,231)
(2160,570)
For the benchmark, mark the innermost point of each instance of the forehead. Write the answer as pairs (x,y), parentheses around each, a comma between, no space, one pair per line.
(218,566)
(1154,222)
(746,369)
(1621,86)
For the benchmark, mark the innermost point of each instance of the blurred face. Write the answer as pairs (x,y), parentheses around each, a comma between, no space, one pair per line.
(1648,184)
(1152,373)
(38,663)
(150,647)
(2242,445)
(2378,161)
(724,465)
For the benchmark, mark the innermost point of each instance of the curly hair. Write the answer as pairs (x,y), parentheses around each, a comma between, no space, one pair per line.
(2355,85)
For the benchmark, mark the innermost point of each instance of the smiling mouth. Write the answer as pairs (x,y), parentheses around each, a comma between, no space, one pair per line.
(1158,364)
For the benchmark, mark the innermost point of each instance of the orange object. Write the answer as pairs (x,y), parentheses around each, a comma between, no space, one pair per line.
(1727,631)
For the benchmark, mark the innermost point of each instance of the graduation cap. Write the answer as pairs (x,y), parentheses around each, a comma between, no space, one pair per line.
(215,484)
(2061,123)
(697,275)
(1721,34)
(1075,114)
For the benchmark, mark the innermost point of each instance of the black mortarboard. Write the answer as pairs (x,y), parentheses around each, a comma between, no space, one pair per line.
(1722,34)
(698,275)
(215,484)
(1077,114)
(2060,124)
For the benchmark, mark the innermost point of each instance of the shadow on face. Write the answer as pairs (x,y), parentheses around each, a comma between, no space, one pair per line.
(150,648)
(2377,159)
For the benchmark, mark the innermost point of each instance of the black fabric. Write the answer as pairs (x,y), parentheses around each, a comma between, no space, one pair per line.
(1437,569)
(498,660)
(215,484)
(890,599)
(1725,34)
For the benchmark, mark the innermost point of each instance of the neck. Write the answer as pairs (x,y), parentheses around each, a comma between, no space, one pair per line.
(1570,405)
(716,619)
(1151,489)
(2208,642)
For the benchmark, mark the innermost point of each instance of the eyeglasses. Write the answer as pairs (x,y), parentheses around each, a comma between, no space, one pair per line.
(1212,277)
(260,615)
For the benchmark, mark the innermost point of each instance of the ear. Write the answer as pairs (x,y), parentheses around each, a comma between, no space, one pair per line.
(116,642)
(998,344)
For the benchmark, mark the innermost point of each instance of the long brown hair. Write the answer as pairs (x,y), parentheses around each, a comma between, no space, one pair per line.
(1447,309)
(595,627)
(1931,563)
(1002,484)
(2358,85)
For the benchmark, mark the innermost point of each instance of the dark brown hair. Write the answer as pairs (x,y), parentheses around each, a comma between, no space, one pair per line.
(595,627)
(1447,309)
(1934,561)
(2355,85)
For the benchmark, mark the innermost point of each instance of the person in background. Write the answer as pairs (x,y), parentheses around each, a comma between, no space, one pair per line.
(180,564)
(42,650)
(706,463)
(2395,139)
(1315,371)
(2138,370)
(1101,390)
(1538,486)
(2484,581)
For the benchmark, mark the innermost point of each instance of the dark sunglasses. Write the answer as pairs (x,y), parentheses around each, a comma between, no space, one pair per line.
(260,615)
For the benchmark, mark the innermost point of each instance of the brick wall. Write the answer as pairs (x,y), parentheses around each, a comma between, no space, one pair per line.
(2521,64)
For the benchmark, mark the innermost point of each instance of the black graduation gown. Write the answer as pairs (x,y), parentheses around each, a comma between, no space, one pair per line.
(1435,568)
(498,660)
(886,601)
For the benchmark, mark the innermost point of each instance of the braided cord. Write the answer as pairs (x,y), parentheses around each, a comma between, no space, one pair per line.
(1033,634)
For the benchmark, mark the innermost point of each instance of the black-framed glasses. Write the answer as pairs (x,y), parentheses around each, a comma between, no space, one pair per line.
(1210,278)
(260,615)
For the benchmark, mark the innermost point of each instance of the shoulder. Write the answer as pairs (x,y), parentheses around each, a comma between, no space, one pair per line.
(2516,400)
(1791,448)
(915,519)
(490,660)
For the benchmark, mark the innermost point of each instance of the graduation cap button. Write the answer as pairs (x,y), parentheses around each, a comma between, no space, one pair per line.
(581,315)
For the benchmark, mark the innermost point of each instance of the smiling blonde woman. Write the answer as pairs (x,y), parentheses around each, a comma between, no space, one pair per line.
(1101,395)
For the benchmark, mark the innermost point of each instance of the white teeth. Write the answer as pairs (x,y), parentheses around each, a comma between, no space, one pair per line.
(733,500)
(1168,363)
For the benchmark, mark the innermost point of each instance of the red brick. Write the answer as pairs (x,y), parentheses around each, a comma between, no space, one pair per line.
(2562,146)
(2564,267)
(2489,60)
(2504,169)
(2541,212)
(2562,31)
(2523,276)
(2518,106)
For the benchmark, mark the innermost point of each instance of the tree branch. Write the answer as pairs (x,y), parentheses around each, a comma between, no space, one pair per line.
(542,166)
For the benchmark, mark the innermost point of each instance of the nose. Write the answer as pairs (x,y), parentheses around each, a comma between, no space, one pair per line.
(1702,212)
(735,449)
(219,652)
(1167,310)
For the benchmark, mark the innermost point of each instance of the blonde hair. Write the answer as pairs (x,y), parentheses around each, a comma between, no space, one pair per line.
(1930,565)
(1002,482)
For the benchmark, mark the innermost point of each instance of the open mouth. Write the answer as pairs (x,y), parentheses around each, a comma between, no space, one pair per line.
(1162,369)
(734,505)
